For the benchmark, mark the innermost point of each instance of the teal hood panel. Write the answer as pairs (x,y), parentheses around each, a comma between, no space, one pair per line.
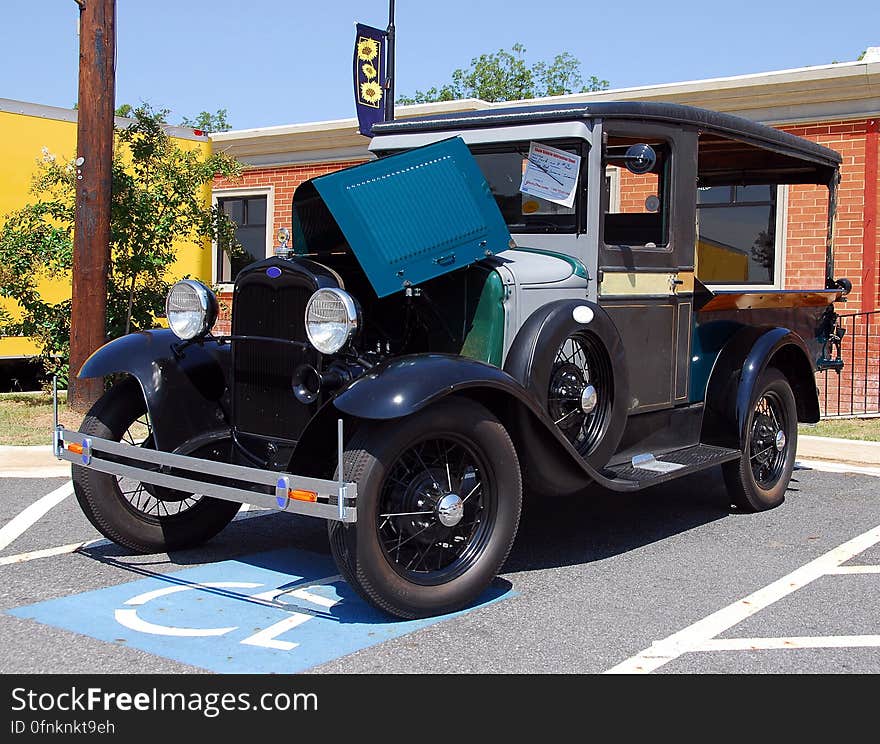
(417,215)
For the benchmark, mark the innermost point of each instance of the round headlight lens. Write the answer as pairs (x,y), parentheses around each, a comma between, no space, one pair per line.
(331,319)
(191,309)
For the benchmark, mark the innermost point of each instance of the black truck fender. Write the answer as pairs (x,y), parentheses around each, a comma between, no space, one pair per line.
(731,392)
(405,385)
(183,384)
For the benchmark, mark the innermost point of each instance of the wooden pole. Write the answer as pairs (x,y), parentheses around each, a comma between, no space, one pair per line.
(94,148)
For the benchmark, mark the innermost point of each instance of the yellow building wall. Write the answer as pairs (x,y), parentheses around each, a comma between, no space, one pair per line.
(714,263)
(22,139)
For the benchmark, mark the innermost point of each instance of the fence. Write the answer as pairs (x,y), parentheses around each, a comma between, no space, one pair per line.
(855,391)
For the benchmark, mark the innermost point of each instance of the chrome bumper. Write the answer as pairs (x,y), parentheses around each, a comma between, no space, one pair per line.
(333,499)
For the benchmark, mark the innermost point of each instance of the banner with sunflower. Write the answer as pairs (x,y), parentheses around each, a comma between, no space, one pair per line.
(369,77)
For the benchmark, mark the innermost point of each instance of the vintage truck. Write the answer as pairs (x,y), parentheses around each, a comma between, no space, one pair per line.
(472,313)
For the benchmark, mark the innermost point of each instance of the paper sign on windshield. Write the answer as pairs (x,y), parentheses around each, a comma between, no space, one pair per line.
(551,174)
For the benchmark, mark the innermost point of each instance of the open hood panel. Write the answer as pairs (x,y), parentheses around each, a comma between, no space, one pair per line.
(407,218)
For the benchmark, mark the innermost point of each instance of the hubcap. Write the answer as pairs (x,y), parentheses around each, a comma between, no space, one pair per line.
(780,441)
(450,510)
(589,399)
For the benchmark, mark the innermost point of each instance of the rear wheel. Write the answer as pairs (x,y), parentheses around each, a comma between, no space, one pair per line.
(439,499)
(139,516)
(759,479)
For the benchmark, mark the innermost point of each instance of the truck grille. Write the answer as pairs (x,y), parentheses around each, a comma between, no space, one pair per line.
(262,400)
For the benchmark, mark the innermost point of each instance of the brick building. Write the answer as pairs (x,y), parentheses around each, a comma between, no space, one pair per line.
(835,105)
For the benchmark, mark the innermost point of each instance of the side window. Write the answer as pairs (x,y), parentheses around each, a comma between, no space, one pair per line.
(639,216)
(736,234)
(249,215)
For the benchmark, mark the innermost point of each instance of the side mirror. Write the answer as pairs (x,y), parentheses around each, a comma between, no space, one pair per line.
(640,159)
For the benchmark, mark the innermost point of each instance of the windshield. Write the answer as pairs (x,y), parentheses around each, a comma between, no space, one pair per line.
(503,167)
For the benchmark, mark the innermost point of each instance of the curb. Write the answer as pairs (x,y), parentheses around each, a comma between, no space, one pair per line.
(853,451)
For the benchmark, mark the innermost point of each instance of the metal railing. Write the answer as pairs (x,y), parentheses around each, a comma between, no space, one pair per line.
(855,391)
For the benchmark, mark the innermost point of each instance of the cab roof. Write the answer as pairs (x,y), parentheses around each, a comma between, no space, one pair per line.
(671,113)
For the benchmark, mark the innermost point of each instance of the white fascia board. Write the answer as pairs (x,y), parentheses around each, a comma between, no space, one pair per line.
(56,113)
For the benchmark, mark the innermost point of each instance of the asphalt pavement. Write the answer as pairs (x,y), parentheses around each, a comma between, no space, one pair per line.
(598,582)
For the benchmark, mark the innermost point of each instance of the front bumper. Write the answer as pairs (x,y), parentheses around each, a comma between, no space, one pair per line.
(315,497)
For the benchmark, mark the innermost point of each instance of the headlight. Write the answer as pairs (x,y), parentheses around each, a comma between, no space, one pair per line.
(331,319)
(191,309)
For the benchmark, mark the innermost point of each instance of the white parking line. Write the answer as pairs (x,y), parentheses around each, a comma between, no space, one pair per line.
(247,512)
(49,552)
(768,644)
(21,522)
(697,636)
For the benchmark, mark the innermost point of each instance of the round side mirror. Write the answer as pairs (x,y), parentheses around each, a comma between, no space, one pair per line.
(640,159)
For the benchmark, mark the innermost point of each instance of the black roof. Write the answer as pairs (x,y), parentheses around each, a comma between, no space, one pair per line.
(709,121)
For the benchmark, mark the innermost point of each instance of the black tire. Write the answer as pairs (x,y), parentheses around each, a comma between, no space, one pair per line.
(469,553)
(759,479)
(116,517)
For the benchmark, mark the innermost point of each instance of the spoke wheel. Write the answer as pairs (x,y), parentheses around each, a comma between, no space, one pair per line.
(439,495)
(759,479)
(139,516)
(581,391)
(150,500)
(435,510)
(768,444)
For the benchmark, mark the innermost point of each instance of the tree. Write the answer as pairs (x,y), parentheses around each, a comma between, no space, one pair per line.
(505,76)
(205,121)
(208,122)
(157,202)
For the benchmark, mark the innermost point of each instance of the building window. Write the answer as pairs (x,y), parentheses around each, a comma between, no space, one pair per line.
(738,235)
(249,215)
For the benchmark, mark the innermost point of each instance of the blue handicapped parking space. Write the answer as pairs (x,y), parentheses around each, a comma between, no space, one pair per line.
(276,612)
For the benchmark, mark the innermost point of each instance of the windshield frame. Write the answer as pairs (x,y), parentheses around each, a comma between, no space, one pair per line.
(576,145)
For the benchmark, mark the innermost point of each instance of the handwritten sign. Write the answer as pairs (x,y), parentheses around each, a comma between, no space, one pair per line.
(551,174)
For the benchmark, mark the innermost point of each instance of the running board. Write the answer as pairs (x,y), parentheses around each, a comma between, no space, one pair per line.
(647,470)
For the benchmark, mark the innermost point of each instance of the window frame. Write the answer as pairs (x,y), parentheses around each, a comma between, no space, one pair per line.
(667,187)
(779,247)
(243,192)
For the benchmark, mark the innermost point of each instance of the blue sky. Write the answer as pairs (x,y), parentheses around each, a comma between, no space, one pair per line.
(284,61)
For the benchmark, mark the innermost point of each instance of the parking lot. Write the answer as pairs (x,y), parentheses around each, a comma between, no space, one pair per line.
(668,580)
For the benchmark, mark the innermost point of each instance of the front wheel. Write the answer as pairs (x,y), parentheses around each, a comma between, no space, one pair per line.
(759,479)
(439,499)
(139,516)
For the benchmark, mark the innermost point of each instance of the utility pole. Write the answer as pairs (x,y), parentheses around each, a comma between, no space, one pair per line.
(94,168)
(389,96)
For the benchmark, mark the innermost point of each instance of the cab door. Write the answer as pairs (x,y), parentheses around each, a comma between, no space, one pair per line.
(646,256)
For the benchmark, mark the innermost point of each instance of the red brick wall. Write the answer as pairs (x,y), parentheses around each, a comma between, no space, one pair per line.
(285,179)
(808,209)
(857,388)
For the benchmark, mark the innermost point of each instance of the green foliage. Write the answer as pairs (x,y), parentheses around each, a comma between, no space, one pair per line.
(158,200)
(505,76)
(208,122)
(125,110)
